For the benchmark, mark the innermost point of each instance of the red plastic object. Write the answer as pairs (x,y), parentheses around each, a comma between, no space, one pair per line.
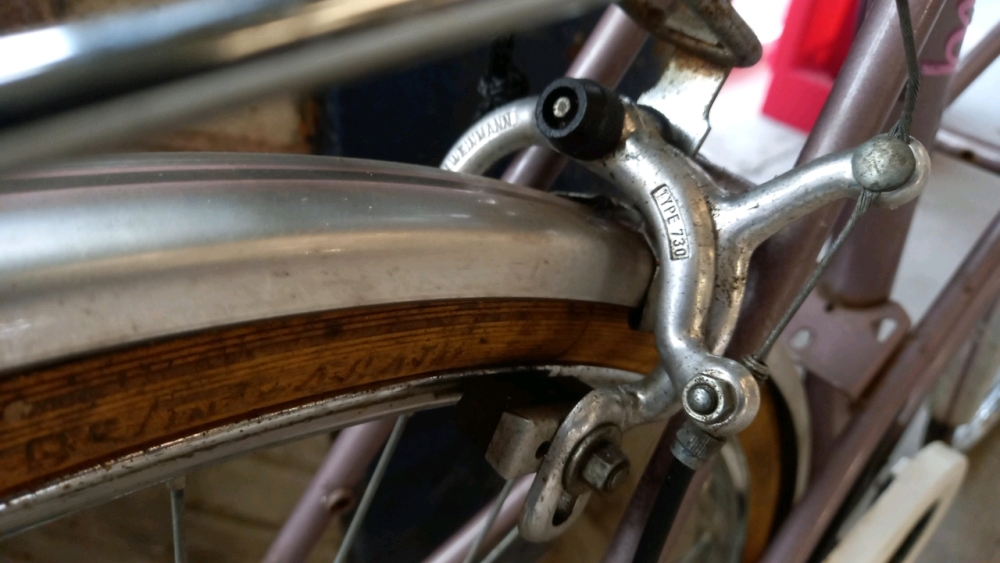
(812,48)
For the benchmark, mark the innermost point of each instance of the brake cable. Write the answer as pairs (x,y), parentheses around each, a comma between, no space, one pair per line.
(900,130)
(679,475)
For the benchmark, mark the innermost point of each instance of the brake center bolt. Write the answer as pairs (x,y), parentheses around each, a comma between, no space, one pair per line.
(606,469)
(561,107)
(702,400)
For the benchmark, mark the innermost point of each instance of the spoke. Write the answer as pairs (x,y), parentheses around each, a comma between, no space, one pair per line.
(471,555)
(501,547)
(176,487)
(366,499)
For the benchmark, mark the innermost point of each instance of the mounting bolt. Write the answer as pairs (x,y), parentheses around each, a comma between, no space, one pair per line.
(708,399)
(561,107)
(702,400)
(606,469)
(883,163)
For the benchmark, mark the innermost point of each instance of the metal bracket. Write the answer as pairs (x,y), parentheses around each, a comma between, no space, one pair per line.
(708,29)
(711,38)
(819,333)
(684,95)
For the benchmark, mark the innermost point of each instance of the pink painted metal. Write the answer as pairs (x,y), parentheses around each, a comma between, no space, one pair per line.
(331,491)
(608,53)
(974,63)
(970,149)
(626,539)
(863,272)
(820,333)
(923,357)
(457,546)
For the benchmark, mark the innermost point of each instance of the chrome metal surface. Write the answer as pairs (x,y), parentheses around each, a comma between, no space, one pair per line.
(344,551)
(114,251)
(703,237)
(882,163)
(859,105)
(602,407)
(176,487)
(716,399)
(745,221)
(863,271)
(42,68)
(157,464)
(502,131)
(985,419)
(684,95)
(311,44)
(709,29)
(702,399)
(491,517)
(561,107)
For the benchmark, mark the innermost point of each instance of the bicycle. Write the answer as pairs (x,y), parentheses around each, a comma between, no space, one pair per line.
(283,331)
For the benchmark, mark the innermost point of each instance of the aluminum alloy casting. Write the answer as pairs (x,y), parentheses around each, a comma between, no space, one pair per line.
(703,237)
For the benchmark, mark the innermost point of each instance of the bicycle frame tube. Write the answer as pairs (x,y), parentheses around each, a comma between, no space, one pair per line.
(858,106)
(922,359)
(308,45)
(331,491)
(863,271)
(973,64)
(865,277)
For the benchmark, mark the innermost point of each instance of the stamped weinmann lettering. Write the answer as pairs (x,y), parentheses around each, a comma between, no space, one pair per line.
(492,127)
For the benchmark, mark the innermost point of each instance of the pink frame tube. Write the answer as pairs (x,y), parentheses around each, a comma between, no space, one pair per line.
(331,491)
(455,548)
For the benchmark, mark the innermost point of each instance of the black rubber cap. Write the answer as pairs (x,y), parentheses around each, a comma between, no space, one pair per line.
(589,126)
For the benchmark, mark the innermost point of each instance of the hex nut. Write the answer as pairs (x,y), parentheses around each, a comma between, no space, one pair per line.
(606,469)
(583,454)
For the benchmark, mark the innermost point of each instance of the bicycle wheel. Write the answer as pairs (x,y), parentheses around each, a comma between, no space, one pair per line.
(164,312)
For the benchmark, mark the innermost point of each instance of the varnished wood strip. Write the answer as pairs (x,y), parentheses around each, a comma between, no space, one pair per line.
(85,411)
(762,446)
